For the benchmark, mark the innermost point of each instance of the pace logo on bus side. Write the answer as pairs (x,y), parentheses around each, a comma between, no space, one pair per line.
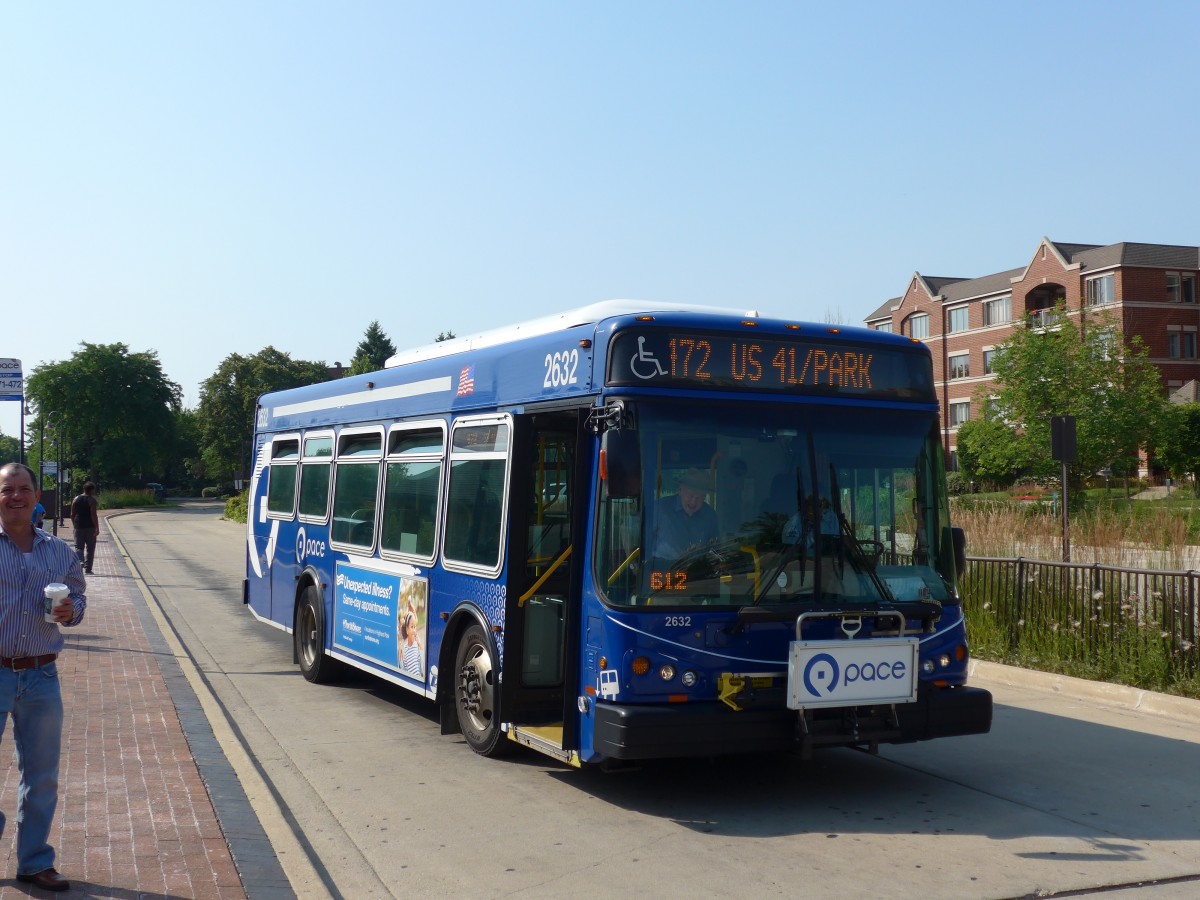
(306,548)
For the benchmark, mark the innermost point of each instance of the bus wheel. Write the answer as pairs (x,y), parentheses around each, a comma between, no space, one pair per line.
(476,693)
(309,634)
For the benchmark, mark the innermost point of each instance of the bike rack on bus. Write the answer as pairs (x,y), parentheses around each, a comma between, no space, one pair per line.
(848,619)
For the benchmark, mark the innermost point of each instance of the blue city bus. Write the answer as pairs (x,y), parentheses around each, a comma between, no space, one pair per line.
(495,523)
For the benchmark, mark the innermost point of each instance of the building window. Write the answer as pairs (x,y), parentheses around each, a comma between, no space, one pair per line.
(1183,345)
(959,319)
(959,413)
(1188,287)
(884,326)
(989,357)
(1101,290)
(918,326)
(997,312)
(960,365)
(1173,287)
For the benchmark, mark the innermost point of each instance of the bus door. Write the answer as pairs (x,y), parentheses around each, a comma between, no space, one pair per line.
(542,595)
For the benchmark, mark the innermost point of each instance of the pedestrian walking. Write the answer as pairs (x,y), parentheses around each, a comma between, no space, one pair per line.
(33,566)
(85,522)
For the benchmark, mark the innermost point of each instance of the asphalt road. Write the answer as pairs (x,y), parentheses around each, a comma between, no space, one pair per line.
(363,797)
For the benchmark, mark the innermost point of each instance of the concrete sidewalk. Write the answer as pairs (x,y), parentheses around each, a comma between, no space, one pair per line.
(136,815)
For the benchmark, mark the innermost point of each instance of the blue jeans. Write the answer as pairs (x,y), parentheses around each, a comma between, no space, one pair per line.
(33,698)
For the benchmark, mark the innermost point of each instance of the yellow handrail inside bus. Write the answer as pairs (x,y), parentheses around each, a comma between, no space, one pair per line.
(625,565)
(753,552)
(550,571)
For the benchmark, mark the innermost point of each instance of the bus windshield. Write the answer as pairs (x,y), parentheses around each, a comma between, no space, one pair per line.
(756,504)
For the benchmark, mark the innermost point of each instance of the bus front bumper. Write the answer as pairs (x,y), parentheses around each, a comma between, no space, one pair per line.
(624,731)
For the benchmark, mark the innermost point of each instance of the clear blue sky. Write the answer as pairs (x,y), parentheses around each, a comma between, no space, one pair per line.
(208,178)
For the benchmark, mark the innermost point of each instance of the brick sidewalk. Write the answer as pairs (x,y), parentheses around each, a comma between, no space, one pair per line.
(134,816)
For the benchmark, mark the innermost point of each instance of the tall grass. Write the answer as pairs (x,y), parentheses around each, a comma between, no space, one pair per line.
(1150,536)
(1063,624)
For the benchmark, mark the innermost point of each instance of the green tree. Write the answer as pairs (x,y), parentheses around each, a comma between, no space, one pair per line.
(1110,387)
(228,400)
(373,351)
(10,449)
(444,336)
(988,450)
(114,412)
(1178,443)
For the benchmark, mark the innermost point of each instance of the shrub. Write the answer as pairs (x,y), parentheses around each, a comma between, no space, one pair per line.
(210,492)
(235,507)
(124,498)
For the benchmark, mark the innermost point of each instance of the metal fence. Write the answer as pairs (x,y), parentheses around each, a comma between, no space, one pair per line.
(1139,621)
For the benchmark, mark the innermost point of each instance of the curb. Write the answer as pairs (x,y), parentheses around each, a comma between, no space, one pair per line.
(1122,696)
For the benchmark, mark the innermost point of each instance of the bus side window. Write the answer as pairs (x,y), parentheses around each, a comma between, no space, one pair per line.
(473,519)
(281,488)
(356,485)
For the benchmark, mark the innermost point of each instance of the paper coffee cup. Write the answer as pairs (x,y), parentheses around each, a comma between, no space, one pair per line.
(56,595)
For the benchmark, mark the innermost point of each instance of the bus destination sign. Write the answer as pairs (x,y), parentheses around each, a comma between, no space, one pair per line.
(742,362)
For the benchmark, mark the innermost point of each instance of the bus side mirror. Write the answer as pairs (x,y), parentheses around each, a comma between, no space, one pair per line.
(959,539)
(622,470)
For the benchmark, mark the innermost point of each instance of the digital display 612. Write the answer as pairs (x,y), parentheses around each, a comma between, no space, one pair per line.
(743,362)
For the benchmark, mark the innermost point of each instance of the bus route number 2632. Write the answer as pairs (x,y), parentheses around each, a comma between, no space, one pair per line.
(561,369)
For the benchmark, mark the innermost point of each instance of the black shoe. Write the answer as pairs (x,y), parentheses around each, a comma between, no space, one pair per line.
(47,880)
(87,571)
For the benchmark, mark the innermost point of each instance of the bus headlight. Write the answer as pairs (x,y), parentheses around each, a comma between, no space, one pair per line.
(928,666)
(667,672)
(688,678)
(944,660)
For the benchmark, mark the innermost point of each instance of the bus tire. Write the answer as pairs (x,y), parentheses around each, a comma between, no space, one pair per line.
(309,637)
(477,693)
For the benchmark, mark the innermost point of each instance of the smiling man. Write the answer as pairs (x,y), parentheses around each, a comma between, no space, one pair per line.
(30,692)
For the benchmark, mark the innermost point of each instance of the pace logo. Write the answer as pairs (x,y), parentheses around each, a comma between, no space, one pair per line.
(306,548)
(822,671)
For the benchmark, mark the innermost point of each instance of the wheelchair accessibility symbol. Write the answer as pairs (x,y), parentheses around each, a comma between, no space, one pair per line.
(644,364)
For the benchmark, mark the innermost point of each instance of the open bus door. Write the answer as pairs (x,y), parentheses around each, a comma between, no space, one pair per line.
(542,600)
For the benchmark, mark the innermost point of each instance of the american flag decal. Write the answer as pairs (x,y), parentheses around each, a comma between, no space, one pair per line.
(466,381)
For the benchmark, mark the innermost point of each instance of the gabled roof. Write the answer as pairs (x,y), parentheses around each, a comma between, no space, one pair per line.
(979,287)
(936,283)
(885,311)
(1189,393)
(1085,256)
(1157,256)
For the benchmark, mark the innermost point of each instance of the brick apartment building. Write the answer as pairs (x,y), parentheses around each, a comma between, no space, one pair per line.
(1148,290)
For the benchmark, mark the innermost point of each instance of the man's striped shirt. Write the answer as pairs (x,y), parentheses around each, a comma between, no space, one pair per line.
(24,630)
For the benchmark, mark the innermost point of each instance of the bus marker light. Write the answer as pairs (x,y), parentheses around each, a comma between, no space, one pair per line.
(677,698)
(585,344)
(584,704)
(590,690)
(941,684)
(667,672)
(960,652)
(641,666)
(604,662)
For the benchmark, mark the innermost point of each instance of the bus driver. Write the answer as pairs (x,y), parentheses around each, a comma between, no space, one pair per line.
(685,520)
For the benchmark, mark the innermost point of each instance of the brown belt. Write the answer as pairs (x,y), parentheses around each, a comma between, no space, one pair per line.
(20,663)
